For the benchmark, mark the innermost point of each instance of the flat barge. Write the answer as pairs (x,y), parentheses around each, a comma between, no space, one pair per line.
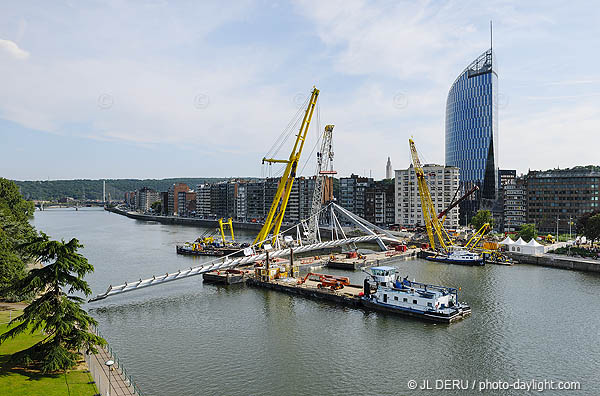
(349,295)
(214,251)
(355,262)
(386,298)
(226,277)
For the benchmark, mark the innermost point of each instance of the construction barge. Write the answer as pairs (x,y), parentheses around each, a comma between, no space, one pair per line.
(383,293)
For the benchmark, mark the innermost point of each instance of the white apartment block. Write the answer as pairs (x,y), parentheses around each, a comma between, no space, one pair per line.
(241,202)
(203,200)
(442,182)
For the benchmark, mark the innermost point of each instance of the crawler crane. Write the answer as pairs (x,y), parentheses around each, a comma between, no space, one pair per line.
(277,210)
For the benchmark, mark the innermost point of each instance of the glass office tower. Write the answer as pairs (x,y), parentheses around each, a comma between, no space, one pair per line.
(472,131)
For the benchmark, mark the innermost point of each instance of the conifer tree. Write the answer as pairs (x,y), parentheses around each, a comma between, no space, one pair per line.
(55,308)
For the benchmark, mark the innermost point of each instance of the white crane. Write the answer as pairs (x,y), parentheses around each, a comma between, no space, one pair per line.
(324,170)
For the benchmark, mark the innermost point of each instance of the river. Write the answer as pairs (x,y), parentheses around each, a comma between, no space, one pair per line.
(186,338)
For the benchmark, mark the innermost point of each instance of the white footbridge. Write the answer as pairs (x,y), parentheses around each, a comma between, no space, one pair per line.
(283,246)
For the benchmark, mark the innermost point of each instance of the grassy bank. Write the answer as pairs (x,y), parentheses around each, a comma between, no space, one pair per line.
(18,381)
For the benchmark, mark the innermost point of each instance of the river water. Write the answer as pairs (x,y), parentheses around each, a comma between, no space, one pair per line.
(186,338)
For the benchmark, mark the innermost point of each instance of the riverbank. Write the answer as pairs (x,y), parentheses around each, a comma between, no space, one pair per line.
(20,381)
(190,221)
(193,221)
(557,261)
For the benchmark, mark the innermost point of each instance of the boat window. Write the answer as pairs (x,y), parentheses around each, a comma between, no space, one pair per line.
(405,299)
(429,304)
(414,301)
(396,298)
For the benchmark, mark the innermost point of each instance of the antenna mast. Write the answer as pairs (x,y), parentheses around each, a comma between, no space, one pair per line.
(491,42)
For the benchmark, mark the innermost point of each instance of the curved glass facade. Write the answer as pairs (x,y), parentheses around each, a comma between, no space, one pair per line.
(472,128)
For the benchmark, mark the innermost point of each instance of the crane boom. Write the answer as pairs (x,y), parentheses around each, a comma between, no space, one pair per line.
(432,224)
(284,188)
(324,168)
(477,237)
(456,203)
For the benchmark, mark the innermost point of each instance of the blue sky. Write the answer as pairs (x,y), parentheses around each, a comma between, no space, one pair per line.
(153,89)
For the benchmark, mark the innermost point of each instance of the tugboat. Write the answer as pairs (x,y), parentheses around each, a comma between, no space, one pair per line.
(386,292)
(457,256)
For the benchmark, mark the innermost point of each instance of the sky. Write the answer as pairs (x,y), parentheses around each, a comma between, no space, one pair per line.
(157,89)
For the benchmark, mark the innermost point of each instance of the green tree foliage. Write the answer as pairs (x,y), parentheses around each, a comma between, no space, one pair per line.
(15,230)
(482,217)
(592,228)
(581,224)
(85,189)
(156,206)
(55,309)
(527,232)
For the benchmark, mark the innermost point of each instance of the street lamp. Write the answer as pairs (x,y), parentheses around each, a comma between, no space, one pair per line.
(109,363)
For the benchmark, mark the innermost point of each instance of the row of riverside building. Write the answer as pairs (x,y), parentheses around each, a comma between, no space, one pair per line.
(250,200)
(545,198)
(246,200)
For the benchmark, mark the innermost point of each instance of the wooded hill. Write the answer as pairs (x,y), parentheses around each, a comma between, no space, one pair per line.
(85,189)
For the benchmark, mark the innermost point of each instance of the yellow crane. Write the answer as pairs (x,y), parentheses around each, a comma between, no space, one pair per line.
(221,228)
(430,216)
(284,188)
(477,236)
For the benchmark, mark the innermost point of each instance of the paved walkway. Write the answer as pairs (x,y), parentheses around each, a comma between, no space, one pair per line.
(119,385)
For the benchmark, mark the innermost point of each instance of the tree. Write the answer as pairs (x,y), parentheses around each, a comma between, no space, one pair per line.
(156,207)
(592,228)
(15,230)
(582,221)
(482,217)
(527,232)
(57,312)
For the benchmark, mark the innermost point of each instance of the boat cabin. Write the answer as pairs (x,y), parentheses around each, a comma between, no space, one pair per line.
(384,276)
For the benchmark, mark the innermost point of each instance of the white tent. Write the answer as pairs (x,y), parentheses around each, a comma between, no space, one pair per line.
(517,246)
(533,247)
(507,241)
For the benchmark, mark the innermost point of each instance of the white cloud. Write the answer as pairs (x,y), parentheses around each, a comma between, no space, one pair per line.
(557,136)
(11,48)
(128,73)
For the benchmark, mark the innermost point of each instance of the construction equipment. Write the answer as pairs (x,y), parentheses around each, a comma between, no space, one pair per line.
(322,189)
(221,228)
(430,217)
(477,237)
(327,281)
(277,210)
(444,212)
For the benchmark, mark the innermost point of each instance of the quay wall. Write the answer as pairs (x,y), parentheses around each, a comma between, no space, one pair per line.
(191,221)
(556,261)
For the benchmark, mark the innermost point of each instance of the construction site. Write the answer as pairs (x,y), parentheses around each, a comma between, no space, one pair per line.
(331,237)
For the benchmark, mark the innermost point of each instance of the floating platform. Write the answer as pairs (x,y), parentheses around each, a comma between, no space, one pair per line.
(340,261)
(210,251)
(227,277)
(350,295)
